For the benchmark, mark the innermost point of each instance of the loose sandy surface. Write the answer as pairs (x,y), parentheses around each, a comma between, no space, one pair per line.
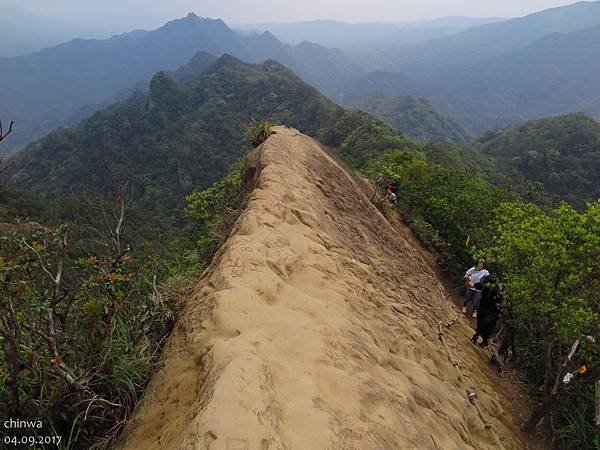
(316,328)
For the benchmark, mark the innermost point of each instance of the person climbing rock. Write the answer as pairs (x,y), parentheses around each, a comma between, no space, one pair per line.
(489,309)
(391,191)
(472,279)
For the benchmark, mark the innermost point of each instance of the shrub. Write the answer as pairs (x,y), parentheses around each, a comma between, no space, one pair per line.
(547,260)
(83,318)
(259,132)
(80,331)
(214,210)
(550,266)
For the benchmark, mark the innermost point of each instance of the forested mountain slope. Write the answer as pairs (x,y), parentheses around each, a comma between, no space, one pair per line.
(48,87)
(562,153)
(414,117)
(184,136)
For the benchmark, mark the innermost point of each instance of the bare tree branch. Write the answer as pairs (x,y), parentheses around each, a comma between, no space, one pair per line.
(4,135)
(58,368)
(59,291)
(4,167)
(11,336)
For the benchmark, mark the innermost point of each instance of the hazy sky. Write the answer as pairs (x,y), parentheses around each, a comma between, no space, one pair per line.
(238,11)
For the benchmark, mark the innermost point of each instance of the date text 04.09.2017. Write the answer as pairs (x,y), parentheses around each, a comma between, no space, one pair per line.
(30,441)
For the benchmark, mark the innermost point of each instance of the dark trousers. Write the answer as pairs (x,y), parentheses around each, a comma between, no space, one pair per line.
(475,295)
(486,324)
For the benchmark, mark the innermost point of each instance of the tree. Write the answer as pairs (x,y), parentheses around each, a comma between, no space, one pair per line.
(445,207)
(82,320)
(551,270)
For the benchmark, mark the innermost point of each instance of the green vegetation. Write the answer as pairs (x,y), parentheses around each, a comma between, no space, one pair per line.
(214,210)
(445,207)
(561,153)
(178,138)
(549,264)
(16,203)
(85,315)
(84,318)
(414,117)
(259,132)
(357,137)
(172,147)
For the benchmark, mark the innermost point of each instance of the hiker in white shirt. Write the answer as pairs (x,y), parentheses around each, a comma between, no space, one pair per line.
(472,279)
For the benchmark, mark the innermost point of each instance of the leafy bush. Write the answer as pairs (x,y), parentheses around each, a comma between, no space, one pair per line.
(83,320)
(68,350)
(455,205)
(214,210)
(549,264)
(572,413)
(259,132)
(547,260)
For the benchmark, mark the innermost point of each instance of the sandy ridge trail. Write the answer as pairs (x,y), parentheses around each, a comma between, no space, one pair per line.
(315,327)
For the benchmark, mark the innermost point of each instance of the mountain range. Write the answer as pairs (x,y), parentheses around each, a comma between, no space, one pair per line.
(171,114)
(50,87)
(344,35)
(501,73)
(187,130)
(23,31)
(484,77)
(185,135)
(485,42)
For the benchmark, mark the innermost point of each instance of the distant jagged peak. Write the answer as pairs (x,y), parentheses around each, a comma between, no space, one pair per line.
(312,48)
(227,61)
(226,58)
(267,35)
(135,34)
(193,19)
(208,64)
(264,38)
(196,65)
(272,65)
(306,45)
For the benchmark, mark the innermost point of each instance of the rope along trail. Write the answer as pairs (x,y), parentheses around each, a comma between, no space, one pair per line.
(470,391)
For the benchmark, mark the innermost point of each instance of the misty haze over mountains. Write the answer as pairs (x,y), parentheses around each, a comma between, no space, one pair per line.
(484,75)
(50,86)
(332,33)
(339,161)
(22,31)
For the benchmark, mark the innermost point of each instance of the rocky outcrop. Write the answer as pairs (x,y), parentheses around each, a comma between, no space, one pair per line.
(315,327)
